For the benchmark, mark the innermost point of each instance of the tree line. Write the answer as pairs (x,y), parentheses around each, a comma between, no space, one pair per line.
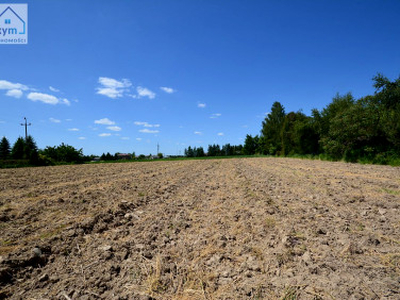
(214,150)
(25,152)
(356,130)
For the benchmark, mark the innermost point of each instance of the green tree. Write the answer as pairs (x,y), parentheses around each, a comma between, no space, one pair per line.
(17,151)
(198,152)
(5,148)
(288,132)
(272,127)
(214,150)
(329,121)
(306,136)
(387,92)
(250,145)
(298,135)
(189,152)
(30,150)
(64,153)
(227,150)
(387,101)
(338,105)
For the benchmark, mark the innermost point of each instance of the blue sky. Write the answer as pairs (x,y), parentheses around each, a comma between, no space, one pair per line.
(122,76)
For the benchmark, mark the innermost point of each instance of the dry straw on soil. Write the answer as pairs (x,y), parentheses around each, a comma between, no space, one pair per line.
(262,228)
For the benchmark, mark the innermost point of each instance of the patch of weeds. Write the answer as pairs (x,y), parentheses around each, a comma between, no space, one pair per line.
(141,194)
(391,192)
(359,227)
(298,235)
(30,195)
(391,260)
(285,257)
(270,222)
(53,232)
(135,275)
(291,293)
(6,243)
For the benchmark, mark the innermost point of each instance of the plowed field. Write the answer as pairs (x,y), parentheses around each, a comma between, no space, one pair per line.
(260,228)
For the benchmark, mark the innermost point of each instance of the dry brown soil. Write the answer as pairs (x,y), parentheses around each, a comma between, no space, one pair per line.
(258,228)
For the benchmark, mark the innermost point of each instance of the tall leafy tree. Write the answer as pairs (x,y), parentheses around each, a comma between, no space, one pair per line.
(272,127)
(306,136)
(289,133)
(5,148)
(387,92)
(333,111)
(338,105)
(387,100)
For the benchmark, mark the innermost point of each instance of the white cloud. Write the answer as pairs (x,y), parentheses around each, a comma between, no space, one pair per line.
(168,90)
(145,92)
(16,90)
(113,88)
(104,121)
(198,132)
(201,105)
(54,120)
(73,129)
(214,116)
(81,138)
(125,138)
(14,93)
(148,131)
(6,85)
(53,89)
(145,124)
(65,101)
(114,128)
(220,133)
(46,98)
(139,139)
(104,134)
(109,92)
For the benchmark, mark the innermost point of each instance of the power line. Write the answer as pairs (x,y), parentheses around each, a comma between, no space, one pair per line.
(26,124)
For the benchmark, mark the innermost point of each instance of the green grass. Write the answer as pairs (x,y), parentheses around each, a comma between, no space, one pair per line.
(391,192)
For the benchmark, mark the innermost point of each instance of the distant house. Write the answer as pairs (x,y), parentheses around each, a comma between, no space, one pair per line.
(124,156)
(95,159)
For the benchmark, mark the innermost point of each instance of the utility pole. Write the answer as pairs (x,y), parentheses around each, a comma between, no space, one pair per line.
(26,124)
(158,148)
